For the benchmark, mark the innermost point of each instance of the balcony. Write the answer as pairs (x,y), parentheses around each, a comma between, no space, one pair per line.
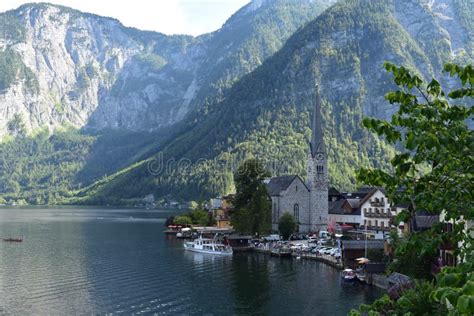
(377,228)
(377,203)
(378,214)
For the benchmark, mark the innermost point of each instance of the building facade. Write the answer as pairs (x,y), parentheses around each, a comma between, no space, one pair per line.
(307,202)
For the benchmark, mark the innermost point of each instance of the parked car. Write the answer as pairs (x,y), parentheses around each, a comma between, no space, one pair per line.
(312,239)
(333,251)
(273,237)
(325,251)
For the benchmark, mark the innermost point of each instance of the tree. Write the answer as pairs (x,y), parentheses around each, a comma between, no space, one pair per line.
(16,126)
(252,207)
(169,221)
(183,220)
(286,225)
(200,217)
(434,173)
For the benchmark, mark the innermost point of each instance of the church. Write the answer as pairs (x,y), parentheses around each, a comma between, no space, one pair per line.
(307,202)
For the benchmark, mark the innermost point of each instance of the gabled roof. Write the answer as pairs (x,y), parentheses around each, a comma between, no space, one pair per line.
(354,203)
(370,193)
(333,191)
(278,184)
(426,221)
(398,278)
(335,207)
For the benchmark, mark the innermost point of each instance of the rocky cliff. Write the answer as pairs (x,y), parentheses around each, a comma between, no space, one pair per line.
(63,67)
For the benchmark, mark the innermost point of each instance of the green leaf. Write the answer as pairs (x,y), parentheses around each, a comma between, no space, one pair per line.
(466,304)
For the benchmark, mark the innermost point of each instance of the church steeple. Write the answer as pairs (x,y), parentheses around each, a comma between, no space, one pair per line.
(317,142)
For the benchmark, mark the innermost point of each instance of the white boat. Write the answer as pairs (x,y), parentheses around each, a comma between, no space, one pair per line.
(184,233)
(207,245)
(360,274)
(348,275)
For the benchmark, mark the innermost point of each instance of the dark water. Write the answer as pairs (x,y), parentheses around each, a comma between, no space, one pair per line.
(88,261)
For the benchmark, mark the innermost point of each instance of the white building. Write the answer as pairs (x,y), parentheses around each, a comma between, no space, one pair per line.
(377,213)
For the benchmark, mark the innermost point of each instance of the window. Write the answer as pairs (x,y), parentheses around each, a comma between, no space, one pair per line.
(296,188)
(275,215)
(319,169)
(382,224)
(376,223)
(296,212)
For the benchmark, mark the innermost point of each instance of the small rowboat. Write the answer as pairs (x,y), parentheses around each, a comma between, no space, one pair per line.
(12,239)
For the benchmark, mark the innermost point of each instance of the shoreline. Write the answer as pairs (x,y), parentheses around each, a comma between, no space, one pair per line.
(321,258)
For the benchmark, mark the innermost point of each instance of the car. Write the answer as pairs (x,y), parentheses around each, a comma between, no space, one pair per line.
(325,251)
(273,237)
(333,251)
(312,239)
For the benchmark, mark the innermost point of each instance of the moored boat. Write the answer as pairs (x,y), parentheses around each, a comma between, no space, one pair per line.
(360,274)
(348,275)
(13,239)
(184,233)
(209,246)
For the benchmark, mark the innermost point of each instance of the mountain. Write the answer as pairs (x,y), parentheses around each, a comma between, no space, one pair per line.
(113,94)
(64,67)
(266,113)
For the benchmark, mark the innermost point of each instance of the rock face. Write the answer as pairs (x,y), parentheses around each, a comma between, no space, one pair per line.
(73,68)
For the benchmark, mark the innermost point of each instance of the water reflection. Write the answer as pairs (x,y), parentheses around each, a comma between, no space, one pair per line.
(102,261)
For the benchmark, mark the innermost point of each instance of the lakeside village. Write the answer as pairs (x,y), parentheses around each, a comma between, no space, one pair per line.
(350,231)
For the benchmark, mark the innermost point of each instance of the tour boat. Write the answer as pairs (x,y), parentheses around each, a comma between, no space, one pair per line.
(207,245)
(348,275)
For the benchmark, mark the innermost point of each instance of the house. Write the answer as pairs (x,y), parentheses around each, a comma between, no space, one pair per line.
(221,209)
(345,212)
(377,213)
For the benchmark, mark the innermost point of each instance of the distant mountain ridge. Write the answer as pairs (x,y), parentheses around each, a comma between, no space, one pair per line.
(243,91)
(265,114)
(80,69)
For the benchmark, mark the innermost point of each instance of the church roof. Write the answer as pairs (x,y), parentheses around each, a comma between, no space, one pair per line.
(278,184)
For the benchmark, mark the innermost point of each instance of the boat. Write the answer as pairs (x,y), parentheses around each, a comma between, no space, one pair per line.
(348,275)
(209,246)
(360,274)
(13,239)
(184,233)
(280,252)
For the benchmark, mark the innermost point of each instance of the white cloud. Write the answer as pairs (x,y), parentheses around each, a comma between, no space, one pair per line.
(166,16)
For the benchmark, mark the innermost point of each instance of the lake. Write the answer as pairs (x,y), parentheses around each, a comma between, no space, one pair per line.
(97,261)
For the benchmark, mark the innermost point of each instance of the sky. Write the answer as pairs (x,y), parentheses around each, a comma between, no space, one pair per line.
(193,17)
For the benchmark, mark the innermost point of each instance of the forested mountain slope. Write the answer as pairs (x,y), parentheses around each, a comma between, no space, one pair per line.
(266,113)
(63,69)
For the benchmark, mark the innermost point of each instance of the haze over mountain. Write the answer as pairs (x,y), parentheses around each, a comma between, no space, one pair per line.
(224,96)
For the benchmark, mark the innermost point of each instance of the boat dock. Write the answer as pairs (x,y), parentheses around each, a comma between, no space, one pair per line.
(327,259)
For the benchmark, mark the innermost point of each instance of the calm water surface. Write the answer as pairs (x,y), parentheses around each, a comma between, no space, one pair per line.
(91,261)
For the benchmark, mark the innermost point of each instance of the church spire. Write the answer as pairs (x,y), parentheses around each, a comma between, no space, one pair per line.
(317,143)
